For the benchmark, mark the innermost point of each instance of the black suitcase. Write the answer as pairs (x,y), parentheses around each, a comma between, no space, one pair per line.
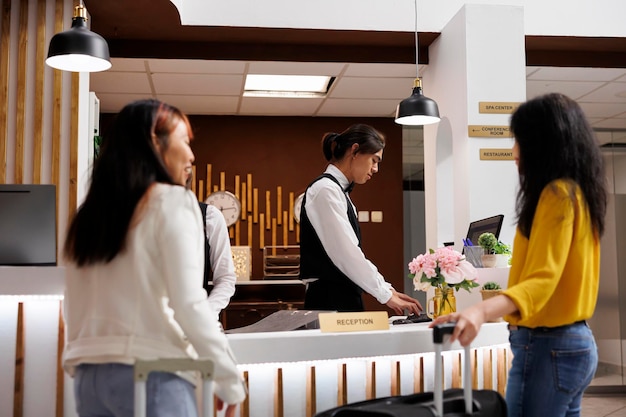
(451,402)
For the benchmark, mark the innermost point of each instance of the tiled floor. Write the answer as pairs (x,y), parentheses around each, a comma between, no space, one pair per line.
(604,406)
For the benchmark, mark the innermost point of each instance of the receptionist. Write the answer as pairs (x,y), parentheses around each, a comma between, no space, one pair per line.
(331,259)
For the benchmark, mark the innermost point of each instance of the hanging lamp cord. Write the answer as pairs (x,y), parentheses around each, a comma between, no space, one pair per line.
(417,47)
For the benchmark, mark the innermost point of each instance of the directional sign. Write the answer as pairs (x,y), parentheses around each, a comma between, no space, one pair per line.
(488,131)
(496,154)
(497,107)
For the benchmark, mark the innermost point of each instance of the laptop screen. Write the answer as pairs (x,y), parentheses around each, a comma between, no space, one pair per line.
(490,224)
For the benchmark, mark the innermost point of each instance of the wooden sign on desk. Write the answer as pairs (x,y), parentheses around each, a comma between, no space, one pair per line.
(353,322)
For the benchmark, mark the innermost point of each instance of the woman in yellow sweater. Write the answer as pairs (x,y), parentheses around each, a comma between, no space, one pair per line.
(561,204)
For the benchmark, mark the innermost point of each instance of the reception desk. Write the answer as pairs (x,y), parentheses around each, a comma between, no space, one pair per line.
(293,374)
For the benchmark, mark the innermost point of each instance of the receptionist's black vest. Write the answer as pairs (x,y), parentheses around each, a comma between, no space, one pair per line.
(208,272)
(333,290)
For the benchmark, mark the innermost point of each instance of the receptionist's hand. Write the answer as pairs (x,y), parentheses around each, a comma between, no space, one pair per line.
(399,302)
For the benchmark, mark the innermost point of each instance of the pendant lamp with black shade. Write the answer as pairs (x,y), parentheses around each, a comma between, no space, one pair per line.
(78,49)
(417,109)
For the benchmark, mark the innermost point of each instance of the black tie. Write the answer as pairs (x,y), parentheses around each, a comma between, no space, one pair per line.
(349,187)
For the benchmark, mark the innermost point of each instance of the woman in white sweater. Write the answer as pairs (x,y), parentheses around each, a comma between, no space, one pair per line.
(135,252)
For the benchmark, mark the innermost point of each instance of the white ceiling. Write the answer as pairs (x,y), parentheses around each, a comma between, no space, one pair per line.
(360,89)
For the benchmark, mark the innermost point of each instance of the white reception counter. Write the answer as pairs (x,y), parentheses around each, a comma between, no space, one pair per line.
(291,374)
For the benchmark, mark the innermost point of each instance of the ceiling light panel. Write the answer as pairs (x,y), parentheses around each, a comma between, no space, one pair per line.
(287,83)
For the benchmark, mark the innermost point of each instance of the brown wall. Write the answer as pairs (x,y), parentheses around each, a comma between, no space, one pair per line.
(286,152)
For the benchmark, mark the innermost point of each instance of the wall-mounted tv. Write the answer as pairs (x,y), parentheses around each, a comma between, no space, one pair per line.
(28,233)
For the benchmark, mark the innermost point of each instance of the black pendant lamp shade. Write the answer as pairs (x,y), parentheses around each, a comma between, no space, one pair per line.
(417,109)
(78,49)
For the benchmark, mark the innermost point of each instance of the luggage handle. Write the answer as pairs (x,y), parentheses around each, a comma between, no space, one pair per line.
(439,333)
(143,367)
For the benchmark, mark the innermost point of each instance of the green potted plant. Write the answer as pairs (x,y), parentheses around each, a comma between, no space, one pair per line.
(490,289)
(488,242)
(503,254)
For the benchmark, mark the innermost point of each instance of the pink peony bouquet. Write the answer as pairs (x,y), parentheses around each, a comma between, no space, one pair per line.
(442,268)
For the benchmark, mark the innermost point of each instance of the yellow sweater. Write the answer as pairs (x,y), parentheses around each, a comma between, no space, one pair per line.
(554,276)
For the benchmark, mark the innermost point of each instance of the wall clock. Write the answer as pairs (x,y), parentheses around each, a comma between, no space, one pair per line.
(297,207)
(227,203)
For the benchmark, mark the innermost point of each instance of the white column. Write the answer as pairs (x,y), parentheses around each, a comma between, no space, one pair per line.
(479,57)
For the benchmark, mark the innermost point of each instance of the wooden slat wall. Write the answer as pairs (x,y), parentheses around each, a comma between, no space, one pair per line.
(5,38)
(21,92)
(39,118)
(40,50)
(39,109)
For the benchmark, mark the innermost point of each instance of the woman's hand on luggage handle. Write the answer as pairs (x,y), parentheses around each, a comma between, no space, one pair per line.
(468,321)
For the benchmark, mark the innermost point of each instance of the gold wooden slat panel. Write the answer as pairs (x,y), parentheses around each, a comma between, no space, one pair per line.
(208,179)
(261,231)
(268,211)
(291,201)
(238,234)
(18,381)
(342,385)
(60,371)
(502,370)
(243,201)
(285,228)
(72,197)
(5,37)
(474,368)
(249,193)
(222,181)
(279,204)
(245,405)
(487,370)
(255,213)
(40,53)
(20,114)
(279,394)
(396,379)
(249,242)
(370,380)
(57,86)
(274,226)
(418,374)
(311,392)
(456,371)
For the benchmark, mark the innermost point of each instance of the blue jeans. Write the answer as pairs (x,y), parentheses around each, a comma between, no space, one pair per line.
(551,369)
(107,390)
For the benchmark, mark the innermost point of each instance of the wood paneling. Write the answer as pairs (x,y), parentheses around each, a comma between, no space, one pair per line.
(18,379)
(60,380)
(40,54)
(73,180)
(18,176)
(57,86)
(5,37)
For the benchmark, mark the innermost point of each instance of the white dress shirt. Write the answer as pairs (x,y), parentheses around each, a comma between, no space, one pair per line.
(221,258)
(326,208)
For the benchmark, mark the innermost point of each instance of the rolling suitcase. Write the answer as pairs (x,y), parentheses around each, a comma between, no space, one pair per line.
(451,402)
(144,367)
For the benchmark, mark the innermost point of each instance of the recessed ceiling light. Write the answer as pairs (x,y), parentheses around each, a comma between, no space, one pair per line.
(302,86)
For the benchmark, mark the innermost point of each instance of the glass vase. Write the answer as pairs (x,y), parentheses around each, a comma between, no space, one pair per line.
(444,302)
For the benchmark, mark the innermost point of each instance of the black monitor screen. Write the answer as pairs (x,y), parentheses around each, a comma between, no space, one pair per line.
(490,224)
(28,224)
